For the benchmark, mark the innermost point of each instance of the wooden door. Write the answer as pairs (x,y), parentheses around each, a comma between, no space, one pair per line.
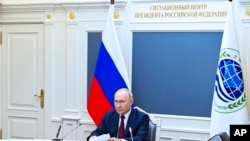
(22,80)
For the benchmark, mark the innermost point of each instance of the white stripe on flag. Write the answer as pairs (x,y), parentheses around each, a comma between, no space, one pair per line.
(113,46)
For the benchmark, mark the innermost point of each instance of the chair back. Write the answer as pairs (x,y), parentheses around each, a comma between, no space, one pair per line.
(222,136)
(151,131)
(152,126)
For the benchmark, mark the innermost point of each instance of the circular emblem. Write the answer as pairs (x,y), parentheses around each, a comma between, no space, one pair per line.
(229,85)
(231,75)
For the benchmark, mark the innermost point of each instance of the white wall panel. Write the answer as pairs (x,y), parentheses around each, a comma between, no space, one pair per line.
(66,57)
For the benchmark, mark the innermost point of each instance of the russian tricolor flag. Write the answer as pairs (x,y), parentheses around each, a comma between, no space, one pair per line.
(110,72)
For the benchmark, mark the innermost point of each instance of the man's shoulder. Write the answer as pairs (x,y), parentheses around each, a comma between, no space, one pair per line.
(111,112)
(138,112)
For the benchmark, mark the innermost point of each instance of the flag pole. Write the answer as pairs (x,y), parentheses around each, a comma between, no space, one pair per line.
(112,1)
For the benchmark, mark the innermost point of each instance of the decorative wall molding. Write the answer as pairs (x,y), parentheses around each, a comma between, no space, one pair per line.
(66,24)
(40,13)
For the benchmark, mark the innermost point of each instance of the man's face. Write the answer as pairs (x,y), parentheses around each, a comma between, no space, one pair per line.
(123,102)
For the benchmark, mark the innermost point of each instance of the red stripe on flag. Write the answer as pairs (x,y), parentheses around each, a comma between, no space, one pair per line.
(98,104)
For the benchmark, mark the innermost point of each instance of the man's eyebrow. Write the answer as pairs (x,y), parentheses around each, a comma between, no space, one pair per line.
(120,100)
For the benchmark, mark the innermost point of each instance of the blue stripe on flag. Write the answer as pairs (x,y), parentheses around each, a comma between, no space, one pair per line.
(108,75)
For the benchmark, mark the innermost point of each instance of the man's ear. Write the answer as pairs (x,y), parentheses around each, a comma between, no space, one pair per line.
(132,102)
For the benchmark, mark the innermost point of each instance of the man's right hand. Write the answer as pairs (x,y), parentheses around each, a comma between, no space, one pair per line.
(92,138)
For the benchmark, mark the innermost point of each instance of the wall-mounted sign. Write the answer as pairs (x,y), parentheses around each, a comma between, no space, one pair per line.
(178,11)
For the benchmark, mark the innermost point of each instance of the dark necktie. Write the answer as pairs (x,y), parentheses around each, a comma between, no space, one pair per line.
(121,130)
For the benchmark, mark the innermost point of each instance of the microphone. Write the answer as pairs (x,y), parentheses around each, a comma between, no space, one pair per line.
(78,125)
(59,129)
(57,134)
(130,131)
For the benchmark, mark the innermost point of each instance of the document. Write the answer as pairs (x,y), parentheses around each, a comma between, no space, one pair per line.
(103,137)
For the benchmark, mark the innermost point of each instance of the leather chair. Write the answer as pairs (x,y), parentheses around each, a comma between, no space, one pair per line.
(152,126)
(223,136)
(151,131)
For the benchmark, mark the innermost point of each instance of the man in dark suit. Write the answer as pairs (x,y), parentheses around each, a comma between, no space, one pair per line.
(134,120)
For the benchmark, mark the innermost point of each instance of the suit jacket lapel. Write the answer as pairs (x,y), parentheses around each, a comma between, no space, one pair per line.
(114,127)
(130,122)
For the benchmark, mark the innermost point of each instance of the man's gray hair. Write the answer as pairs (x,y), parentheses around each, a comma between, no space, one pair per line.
(127,90)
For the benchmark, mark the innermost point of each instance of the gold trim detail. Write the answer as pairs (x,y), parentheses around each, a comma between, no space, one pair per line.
(248,12)
(1,132)
(1,38)
(48,16)
(72,15)
(116,15)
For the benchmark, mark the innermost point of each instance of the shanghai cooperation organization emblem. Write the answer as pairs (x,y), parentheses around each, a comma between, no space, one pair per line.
(229,84)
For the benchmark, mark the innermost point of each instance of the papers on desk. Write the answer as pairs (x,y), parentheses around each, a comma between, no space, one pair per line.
(103,137)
